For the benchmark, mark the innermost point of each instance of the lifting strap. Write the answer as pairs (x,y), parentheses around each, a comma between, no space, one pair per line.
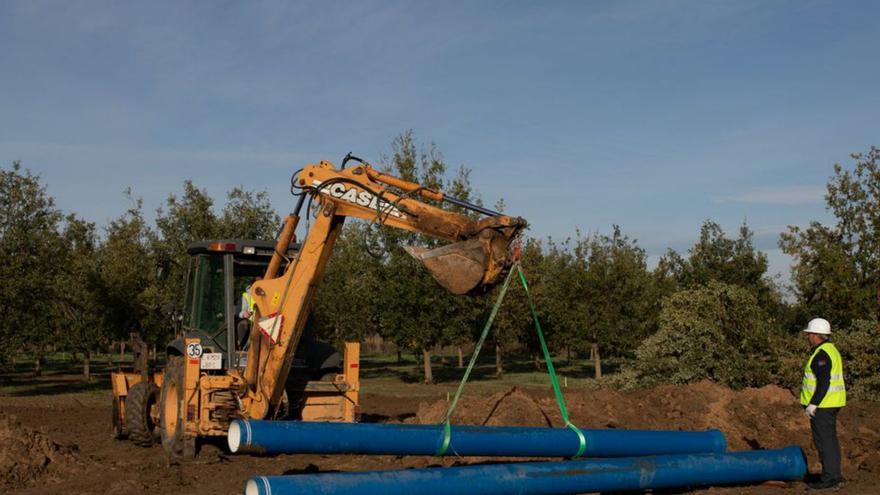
(447,423)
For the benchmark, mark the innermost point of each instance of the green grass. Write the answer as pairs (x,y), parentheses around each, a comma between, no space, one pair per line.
(60,374)
(380,374)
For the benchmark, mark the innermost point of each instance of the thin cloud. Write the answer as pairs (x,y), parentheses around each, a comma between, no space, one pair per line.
(778,195)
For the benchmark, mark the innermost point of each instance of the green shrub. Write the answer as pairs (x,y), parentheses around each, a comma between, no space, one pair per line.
(718,332)
(860,347)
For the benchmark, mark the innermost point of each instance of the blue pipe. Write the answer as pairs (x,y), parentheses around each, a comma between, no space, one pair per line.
(549,478)
(299,437)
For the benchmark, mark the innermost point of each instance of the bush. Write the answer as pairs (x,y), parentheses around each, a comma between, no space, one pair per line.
(718,332)
(861,359)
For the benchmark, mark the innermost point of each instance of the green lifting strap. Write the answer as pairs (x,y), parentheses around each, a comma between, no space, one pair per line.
(550,369)
(447,426)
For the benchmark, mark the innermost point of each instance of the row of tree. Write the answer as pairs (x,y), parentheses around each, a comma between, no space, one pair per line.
(710,312)
(67,286)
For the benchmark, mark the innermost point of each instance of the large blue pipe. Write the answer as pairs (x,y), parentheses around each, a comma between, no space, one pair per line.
(298,437)
(549,478)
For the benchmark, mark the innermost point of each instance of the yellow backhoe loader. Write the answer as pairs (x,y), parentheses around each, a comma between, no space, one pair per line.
(212,377)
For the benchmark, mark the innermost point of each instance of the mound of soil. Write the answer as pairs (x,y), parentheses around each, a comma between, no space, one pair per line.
(511,407)
(27,454)
(754,418)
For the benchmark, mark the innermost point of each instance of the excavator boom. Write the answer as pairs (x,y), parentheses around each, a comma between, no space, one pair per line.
(476,257)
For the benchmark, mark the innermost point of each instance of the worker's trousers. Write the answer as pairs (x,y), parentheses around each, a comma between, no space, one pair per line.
(824,428)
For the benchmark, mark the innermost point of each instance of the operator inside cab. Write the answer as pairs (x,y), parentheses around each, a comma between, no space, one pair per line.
(246,314)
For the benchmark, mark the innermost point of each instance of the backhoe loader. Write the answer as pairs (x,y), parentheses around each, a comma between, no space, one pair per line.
(208,382)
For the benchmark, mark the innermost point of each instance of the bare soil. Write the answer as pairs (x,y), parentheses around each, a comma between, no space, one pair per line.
(61,444)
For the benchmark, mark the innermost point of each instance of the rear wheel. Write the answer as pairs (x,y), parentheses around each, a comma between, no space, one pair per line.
(172,420)
(138,418)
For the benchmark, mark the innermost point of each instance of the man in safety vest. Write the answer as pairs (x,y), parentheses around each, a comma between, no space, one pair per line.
(823,394)
(246,314)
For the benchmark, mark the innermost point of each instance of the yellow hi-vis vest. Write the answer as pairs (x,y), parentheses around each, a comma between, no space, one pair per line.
(836,396)
(246,295)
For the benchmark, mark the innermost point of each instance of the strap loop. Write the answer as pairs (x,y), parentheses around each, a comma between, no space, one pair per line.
(447,428)
(550,369)
(560,400)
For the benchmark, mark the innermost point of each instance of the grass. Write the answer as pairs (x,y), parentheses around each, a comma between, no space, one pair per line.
(60,375)
(381,374)
(384,375)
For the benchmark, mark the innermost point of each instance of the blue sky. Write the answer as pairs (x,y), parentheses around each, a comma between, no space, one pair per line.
(650,115)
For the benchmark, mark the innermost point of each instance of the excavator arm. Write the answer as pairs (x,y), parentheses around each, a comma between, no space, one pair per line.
(476,257)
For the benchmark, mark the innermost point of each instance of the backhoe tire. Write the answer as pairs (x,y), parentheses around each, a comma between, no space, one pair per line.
(138,420)
(172,418)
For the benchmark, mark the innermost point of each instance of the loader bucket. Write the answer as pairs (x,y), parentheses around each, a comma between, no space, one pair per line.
(458,267)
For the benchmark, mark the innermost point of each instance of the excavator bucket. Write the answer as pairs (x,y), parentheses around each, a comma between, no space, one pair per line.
(463,266)
(459,267)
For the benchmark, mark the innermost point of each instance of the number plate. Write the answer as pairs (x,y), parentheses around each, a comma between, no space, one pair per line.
(212,361)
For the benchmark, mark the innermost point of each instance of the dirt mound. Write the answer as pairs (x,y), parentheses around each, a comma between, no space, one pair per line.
(754,418)
(27,454)
(511,407)
(766,417)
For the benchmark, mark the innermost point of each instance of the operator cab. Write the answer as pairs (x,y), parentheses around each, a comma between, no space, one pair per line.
(219,272)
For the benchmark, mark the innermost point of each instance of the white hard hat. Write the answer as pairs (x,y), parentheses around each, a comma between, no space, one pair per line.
(819,326)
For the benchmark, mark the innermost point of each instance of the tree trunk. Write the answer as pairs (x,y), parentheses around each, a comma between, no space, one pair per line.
(38,368)
(399,356)
(444,360)
(460,357)
(139,349)
(121,351)
(597,361)
(499,364)
(568,354)
(429,373)
(87,363)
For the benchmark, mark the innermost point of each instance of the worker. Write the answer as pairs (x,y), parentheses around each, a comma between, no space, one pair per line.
(823,394)
(246,314)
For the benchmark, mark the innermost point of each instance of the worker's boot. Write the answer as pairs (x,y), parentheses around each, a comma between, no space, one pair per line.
(826,486)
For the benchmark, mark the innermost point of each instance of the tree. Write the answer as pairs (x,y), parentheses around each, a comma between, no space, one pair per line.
(346,305)
(77,286)
(127,276)
(248,215)
(617,288)
(29,249)
(412,301)
(716,257)
(183,220)
(837,268)
(514,324)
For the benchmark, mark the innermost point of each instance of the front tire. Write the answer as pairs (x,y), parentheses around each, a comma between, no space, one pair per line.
(172,417)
